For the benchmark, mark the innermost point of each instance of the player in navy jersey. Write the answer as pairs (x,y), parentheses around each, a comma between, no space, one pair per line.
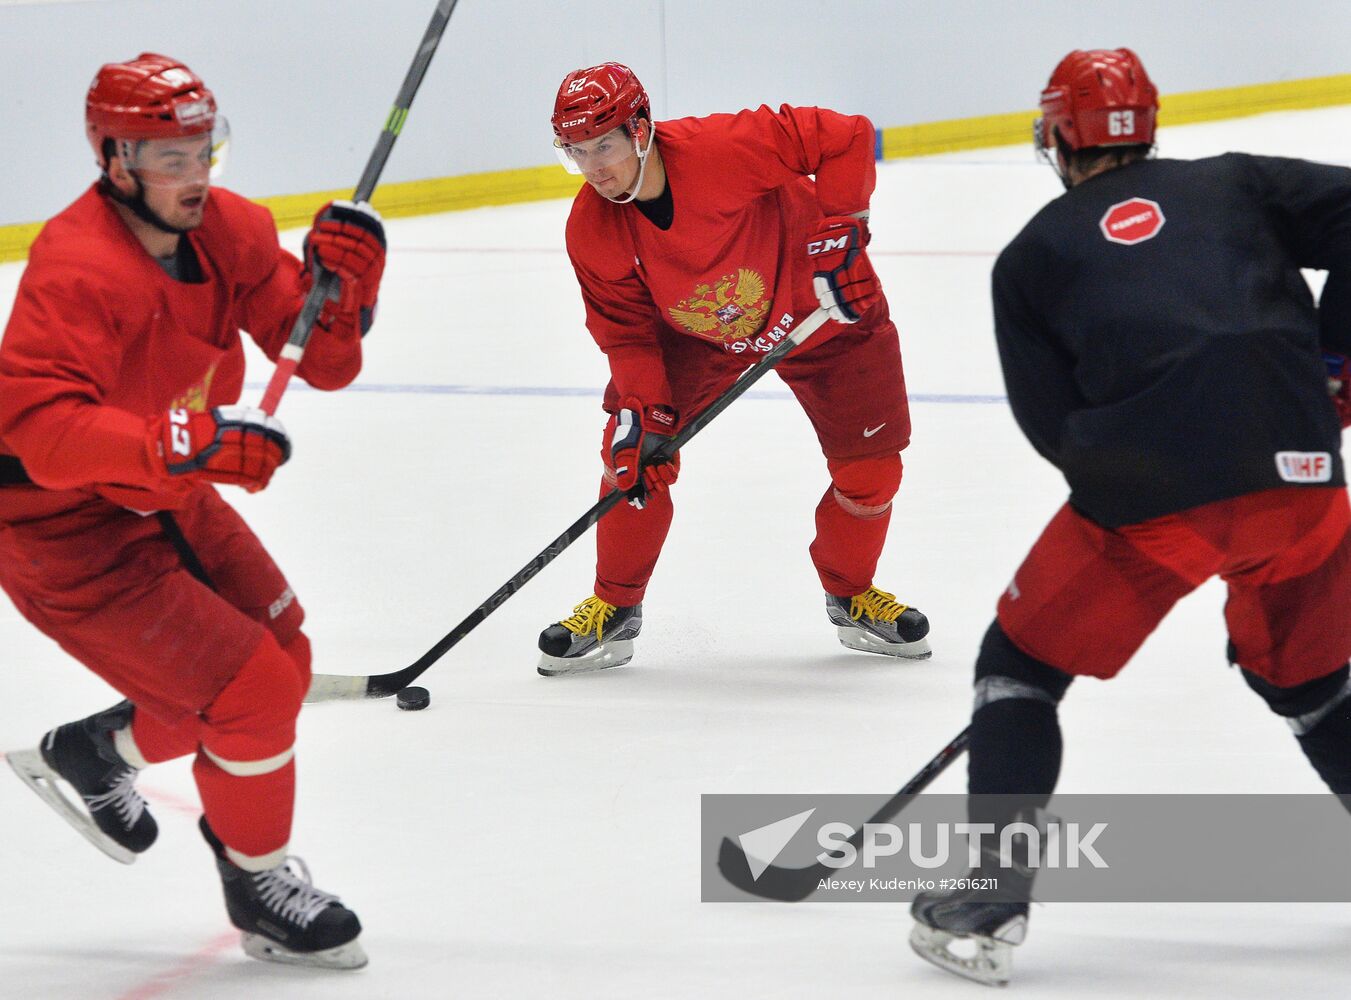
(1163,351)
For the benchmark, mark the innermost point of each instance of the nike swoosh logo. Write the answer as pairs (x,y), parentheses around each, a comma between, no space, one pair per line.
(870,431)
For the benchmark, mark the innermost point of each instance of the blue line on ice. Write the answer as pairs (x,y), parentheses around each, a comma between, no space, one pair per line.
(411,389)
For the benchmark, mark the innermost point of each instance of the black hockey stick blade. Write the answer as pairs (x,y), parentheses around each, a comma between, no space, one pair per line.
(788,885)
(792,885)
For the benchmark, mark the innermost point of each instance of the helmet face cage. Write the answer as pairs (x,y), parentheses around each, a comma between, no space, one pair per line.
(177,161)
(591,155)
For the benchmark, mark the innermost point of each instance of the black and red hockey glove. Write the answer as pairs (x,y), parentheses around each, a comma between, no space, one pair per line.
(1339,384)
(236,445)
(842,275)
(635,433)
(348,239)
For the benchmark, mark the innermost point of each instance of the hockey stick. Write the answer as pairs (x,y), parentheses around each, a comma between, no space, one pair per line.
(791,885)
(326,285)
(336,687)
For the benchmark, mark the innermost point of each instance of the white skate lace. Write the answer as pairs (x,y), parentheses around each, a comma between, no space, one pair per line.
(122,797)
(292,897)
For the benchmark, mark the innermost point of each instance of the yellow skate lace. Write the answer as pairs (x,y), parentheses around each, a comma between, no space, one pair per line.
(591,615)
(877,605)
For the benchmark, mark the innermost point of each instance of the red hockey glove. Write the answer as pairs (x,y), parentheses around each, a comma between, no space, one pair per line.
(1339,384)
(635,433)
(842,274)
(349,239)
(230,444)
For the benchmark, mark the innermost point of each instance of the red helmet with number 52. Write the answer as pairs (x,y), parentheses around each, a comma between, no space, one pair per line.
(149,97)
(1102,97)
(596,100)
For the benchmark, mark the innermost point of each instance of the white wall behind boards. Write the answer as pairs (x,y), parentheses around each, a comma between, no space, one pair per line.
(307,83)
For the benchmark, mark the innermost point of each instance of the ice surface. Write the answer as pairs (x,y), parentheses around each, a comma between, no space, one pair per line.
(528,837)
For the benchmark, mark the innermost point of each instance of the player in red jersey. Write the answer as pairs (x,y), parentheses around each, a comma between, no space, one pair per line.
(120,375)
(1162,350)
(698,244)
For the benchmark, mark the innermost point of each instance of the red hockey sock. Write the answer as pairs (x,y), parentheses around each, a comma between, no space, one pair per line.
(628,542)
(250,814)
(246,772)
(852,520)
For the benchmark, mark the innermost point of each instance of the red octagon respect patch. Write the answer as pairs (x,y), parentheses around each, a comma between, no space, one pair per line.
(1132,221)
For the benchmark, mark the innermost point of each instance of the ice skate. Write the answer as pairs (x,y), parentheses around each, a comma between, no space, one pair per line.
(284,918)
(875,622)
(990,928)
(595,637)
(114,818)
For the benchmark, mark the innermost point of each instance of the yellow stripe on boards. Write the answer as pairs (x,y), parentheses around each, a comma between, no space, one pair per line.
(440,194)
(1174,109)
(16,239)
(506,187)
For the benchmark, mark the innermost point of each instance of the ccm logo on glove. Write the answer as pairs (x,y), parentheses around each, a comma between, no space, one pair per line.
(842,275)
(235,445)
(635,433)
(822,246)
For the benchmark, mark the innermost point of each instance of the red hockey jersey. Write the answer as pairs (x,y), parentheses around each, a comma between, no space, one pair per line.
(732,268)
(101,338)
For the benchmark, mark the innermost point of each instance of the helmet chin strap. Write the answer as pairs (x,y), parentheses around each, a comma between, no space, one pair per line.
(138,206)
(642,167)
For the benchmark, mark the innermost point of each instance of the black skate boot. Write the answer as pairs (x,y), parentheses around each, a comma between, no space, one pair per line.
(993,926)
(875,622)
(83,754)
(284,917)
(596,636)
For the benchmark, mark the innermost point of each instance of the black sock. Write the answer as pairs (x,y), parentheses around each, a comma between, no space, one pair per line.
(1015,731)
(1319,712)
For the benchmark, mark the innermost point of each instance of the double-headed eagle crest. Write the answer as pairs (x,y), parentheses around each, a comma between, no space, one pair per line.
(732,308)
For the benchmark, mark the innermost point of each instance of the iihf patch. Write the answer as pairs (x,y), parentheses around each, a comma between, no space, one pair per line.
(1304,466)
(1133,221)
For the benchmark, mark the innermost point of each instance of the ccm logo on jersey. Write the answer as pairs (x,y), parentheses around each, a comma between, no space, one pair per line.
(1304,466)
(825,246)
(1134,221)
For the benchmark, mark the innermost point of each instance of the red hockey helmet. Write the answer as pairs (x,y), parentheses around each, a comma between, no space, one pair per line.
(1102,97)
(596,100)
(149,97)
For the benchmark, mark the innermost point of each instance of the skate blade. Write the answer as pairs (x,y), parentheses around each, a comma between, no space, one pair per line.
(990,965)
(855,638)
(345,956)
(34,772)
(611,654)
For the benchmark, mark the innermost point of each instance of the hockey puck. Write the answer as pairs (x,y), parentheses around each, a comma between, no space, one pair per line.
(414,699)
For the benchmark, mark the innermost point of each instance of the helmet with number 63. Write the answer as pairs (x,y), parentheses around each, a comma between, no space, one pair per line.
(1101,97)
